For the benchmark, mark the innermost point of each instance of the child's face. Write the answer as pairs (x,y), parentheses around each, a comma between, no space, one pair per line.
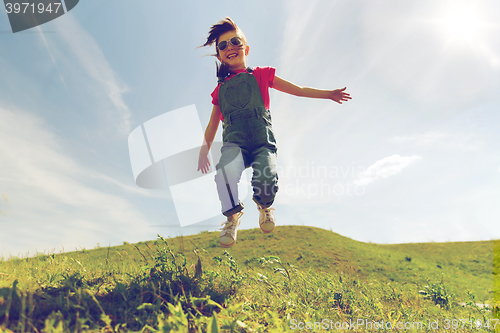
(234,56)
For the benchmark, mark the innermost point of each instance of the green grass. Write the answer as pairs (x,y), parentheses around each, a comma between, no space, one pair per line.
(265,283)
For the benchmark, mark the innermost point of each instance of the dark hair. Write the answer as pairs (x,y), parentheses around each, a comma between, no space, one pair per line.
(214,33)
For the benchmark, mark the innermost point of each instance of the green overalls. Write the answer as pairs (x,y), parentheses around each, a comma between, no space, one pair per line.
(248,141)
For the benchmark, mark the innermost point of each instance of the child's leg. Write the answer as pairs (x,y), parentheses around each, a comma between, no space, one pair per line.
(229,170)
(265,176)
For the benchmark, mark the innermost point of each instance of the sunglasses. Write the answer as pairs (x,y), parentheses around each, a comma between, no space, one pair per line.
(235,41)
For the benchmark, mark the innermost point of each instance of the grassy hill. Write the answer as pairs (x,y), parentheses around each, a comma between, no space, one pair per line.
(463,265)
(266,282)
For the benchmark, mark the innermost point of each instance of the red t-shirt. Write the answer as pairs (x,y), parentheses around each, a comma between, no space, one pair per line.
(265,79)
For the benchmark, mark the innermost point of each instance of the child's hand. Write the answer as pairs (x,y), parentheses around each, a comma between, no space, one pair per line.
(339,96)
(203,161)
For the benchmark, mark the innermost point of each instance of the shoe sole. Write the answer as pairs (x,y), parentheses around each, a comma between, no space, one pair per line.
(267,232)
(226,246)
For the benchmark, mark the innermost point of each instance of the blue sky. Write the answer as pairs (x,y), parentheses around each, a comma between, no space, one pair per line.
(414,157)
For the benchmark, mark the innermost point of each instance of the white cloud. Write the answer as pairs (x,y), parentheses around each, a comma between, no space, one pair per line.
(95,64)
(49,199)
(306,60)
(385,167)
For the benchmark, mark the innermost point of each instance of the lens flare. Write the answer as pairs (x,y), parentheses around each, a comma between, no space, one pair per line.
(463,23)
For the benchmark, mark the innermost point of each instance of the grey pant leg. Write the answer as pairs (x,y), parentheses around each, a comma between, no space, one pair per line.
(265,176)
(229,170)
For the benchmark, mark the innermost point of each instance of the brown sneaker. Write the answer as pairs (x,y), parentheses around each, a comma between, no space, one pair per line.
(266,219)
(229,230)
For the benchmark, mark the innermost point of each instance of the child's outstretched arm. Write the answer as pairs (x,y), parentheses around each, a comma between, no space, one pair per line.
(337,95)
(213,124)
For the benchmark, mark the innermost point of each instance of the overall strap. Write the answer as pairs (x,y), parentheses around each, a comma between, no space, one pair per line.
(222,80)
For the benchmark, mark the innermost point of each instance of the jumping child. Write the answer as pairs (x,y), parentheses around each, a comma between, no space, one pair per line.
(241,101)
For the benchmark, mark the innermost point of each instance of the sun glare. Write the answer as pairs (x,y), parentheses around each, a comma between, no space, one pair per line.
(460,23)
(463,23)
(468,25)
